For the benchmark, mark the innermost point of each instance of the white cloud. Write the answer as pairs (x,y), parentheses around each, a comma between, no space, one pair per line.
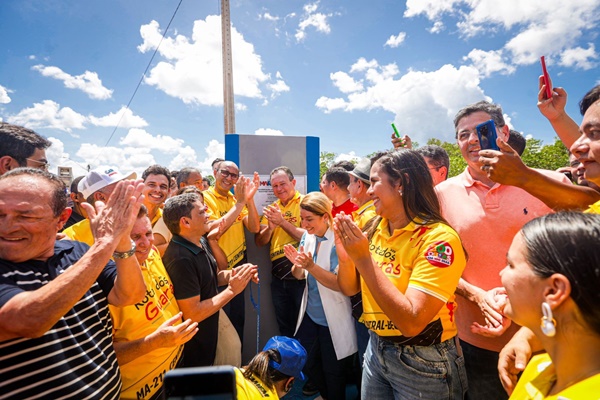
(268,17)
(351,156)
(189,61)
(141,139)
(437,27)
(58,157)
(124,118)
(268,131)
(49,114)
(488,62)
(279,86)
(395,41)
(4,97)
(126,159)
(88,82)
(311,18)
(345,83)
(579,57)
(422,102)
(362,65)
(31,57)
(240,106)
(537,27)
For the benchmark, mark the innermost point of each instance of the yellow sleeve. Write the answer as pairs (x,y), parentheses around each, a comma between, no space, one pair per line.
(439,264)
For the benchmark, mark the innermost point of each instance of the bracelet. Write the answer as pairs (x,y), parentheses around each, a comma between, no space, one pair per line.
(123,255)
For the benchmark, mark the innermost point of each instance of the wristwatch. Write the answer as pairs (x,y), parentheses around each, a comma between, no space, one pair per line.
(126,254)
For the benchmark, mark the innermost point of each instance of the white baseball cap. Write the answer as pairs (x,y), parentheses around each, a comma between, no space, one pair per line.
(99,178)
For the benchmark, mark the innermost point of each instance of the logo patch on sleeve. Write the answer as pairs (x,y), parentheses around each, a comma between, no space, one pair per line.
(440,254)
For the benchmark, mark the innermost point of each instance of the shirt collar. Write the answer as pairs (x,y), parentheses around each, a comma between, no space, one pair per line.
(187,244)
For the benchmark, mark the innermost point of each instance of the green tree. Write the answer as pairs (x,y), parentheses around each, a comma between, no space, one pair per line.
(326,159)
(551,156)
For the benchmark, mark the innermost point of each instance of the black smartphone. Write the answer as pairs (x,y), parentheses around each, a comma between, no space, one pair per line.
(486,132)
(201,383)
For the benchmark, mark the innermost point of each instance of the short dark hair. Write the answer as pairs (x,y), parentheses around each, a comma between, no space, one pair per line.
(339,175)
(347,165)
(20,143)
(215,161)
(566,243)
(75,184)
(517,141)
(205,179)
(495,112)
(157,170)
(143,212)
(437,155)
(178,207)
(285,169)
(589,98)
(185,173)
(59,190)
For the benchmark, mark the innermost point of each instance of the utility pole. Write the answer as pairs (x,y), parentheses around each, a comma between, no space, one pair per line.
(228,106)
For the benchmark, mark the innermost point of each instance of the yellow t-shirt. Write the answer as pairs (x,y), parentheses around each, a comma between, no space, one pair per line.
(428,258)
(291,213)
(233,241)
(158,216)
(594,208)
(143,376)
(364,214)
(81,231)
(252,389)
(539,376)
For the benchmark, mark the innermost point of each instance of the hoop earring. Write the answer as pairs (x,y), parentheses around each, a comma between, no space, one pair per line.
(548,323)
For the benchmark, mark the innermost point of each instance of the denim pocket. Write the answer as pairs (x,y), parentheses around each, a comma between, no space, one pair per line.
(424,361)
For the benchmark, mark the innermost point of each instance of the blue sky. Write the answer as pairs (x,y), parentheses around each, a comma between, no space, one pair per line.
(339,70)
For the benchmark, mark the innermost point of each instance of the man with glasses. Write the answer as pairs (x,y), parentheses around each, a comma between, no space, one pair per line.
(230,213)
(21,147)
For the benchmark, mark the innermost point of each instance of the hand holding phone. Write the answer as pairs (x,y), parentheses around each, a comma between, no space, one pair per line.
(396,130)
(546,78)
(486,132)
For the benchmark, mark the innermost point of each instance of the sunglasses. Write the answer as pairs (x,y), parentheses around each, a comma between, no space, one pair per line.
(227,174)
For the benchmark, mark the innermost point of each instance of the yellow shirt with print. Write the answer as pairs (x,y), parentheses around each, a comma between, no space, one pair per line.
(233,241)
(539,377)
(143,376)
(364,214)
(253,388)
(81,231)
(159,214)
(291,213)
(428,258)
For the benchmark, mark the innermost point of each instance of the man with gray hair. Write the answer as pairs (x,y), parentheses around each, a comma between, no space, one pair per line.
(486,215)
(55,328)
(21,147)
(189,176)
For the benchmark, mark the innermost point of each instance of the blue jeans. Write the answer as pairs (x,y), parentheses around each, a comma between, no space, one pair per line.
(287,296)
(322,366)
(482,372)
(400,372)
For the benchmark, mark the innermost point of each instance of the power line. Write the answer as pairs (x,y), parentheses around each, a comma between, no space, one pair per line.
(144,74)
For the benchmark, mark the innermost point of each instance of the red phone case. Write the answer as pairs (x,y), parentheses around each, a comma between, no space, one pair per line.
(546,78)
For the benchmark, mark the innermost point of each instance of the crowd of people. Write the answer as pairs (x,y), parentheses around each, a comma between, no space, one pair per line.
(430,287)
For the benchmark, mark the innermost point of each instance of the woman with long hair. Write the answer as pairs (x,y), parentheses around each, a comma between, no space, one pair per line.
(552,280)
(325,326)
(271,372)
(407,264)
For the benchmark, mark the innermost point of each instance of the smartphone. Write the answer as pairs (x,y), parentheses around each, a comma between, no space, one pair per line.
(396,131)
(486,132)
(546,78)
(201,383)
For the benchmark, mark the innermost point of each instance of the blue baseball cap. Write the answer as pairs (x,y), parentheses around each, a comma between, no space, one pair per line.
(293,355)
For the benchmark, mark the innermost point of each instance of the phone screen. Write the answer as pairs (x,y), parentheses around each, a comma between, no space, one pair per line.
(486,132)
(203,383)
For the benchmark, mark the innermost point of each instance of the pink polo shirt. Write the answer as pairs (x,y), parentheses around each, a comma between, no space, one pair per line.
(486,219)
